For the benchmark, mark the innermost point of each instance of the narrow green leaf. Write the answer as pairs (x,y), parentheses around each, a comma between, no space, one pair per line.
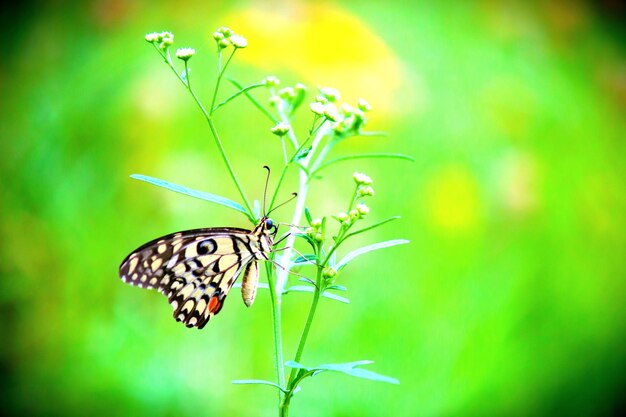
(369,248)
(337,287)
(307,214)
(372,226)
(308,281)
(256,209)
(363,156)
(304,288)
(258,382)
(192,193)
(307,258)
(307,238)
(349,368)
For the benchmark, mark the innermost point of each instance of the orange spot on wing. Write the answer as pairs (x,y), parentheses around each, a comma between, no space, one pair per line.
(214,305)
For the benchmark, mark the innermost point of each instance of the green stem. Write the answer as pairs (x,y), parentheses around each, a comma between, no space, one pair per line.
(276,325)
(219,79)
(255,102)
(168,60)
(307,325)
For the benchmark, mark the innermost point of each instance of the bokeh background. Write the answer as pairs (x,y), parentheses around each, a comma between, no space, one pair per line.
(509,300)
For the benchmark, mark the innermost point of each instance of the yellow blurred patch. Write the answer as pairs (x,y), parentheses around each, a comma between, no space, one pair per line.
(453,200)
(323,46)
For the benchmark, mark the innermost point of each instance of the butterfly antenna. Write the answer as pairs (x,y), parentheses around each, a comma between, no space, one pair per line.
(267,180)
(293,195)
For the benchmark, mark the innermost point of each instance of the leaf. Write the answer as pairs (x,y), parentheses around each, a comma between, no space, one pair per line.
(349,368)
(305,288)
(307,214)
(307,238)
(306,259)
(365,229)
(337,287)
(256,209)
(192,193)
(258,382)
(369,248)
(307,280)
(362,156)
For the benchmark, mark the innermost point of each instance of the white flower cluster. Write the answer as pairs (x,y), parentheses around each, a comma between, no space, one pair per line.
(225,37)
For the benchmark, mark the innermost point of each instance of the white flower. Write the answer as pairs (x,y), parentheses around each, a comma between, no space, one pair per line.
(271,81)
(317,108)
(185,53)
(362,209)
(152,37)
(362,179)
(280,129)
(330,93)
(238,41)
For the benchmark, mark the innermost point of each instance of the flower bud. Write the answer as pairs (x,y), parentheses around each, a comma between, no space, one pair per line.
(363,105)
(365,191)
(287,93)
(218,36)
(329,272)
(280,129)
(225,31)
(223,43)
(354,214)
(319,237)
(317,223)
(271,81)
(342,216)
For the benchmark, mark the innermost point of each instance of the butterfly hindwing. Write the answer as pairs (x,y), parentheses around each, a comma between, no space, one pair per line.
(195,269)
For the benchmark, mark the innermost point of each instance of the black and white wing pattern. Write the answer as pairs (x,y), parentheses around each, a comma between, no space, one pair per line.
(195,269)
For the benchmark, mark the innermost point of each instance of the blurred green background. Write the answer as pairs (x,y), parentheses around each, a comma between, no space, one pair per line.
(509,300)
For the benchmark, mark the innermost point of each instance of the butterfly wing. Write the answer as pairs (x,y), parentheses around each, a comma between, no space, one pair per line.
(194,269)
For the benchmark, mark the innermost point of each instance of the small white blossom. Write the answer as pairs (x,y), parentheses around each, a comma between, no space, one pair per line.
(330,93)
(362,209)
(363,105)
(152,37)
(238,41)
(342,216)
(185,53)
(317,223)
(280,129)
(317,108)
(330,111)
(271,81)
(287,92)
(362,179)
(366,191)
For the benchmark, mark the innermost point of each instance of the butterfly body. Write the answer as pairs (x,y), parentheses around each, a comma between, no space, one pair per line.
(195,269)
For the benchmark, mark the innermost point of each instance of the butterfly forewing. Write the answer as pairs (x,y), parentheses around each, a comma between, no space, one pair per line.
(195,269)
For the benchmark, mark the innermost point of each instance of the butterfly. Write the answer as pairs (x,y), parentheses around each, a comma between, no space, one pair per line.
(195,269)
